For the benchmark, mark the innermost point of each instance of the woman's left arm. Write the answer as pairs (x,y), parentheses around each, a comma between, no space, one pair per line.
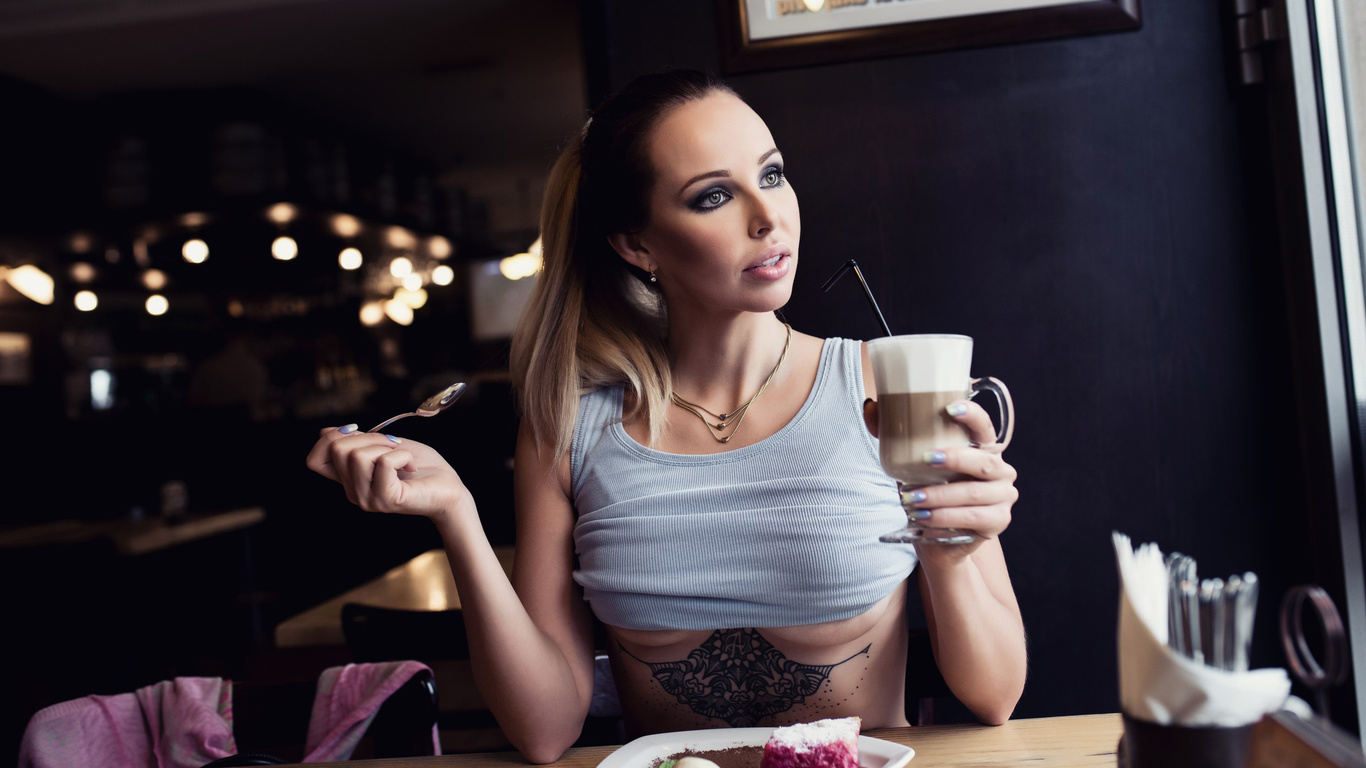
(974,620)
(970,606)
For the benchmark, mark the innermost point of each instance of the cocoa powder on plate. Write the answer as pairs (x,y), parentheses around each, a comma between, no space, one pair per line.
(731,757)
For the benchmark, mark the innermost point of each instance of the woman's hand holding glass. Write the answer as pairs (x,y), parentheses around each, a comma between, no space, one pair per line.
(381,473)
(982,504)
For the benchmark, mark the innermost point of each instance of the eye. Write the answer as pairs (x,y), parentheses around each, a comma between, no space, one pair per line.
(712,198)
(773,176)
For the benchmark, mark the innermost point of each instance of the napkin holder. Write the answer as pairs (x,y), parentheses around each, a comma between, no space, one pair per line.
(1149,745)
(1178,712)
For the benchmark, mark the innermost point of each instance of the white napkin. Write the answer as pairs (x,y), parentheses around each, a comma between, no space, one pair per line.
(1157,684)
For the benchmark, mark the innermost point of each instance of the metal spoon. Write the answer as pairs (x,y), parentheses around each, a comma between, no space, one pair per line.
(430,407)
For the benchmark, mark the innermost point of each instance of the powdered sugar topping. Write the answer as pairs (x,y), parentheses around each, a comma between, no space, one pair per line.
(805,736)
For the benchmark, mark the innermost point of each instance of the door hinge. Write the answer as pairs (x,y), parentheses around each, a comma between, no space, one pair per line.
(1255,28)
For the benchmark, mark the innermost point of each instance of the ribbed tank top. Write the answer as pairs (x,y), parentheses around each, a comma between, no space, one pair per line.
(779,533)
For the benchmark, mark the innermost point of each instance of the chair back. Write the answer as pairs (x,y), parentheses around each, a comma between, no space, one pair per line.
(270,721)
(437,639)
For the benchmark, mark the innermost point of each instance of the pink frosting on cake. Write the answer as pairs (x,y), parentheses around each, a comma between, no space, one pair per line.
(822,744)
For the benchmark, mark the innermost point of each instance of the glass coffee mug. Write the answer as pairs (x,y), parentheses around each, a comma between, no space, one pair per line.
(917,377)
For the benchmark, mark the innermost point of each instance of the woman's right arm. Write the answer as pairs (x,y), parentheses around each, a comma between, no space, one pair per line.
(530,646)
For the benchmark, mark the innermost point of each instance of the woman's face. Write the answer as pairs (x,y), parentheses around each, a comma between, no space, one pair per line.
(724,224)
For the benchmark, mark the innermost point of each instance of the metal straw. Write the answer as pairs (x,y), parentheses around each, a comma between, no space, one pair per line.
(851,264)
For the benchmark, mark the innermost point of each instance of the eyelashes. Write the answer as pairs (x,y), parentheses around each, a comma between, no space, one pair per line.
(712,198)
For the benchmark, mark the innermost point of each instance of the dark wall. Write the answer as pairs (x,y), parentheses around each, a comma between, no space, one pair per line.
(1097,213)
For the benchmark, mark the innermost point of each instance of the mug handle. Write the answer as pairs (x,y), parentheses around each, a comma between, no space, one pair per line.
(1003,404)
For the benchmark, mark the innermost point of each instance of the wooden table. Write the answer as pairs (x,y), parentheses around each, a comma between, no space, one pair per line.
(1080,741)
(421,584)
(132,537)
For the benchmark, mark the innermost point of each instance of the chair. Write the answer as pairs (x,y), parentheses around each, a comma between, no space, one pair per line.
(438,639)
(271,719)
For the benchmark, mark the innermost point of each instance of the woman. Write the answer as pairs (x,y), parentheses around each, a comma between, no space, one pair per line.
(692,470)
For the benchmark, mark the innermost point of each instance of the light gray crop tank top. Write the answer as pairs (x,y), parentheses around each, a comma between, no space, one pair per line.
(779,533)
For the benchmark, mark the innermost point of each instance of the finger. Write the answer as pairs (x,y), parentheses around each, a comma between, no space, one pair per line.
(974,420)
(972,493)
(386,490)
(870,415)
(320,456)
(978,463)
(359,474)
(988,521)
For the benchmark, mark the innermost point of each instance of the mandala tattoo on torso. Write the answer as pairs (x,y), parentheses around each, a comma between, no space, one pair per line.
(739,677)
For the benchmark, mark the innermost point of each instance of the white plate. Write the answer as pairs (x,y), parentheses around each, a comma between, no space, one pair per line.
(872,753)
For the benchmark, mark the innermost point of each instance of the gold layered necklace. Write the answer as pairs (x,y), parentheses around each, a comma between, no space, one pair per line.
(736,416)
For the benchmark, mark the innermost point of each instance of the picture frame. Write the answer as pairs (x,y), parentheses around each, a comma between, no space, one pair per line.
(776,34)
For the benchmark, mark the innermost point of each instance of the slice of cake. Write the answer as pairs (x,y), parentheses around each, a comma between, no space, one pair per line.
(822,744)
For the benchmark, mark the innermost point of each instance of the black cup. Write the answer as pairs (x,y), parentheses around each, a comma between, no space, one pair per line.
(1149,745)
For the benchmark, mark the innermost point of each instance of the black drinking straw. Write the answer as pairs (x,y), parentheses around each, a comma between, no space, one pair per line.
(851,264)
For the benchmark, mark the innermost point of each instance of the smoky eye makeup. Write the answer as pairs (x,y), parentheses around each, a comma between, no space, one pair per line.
(774,172)
(709,199)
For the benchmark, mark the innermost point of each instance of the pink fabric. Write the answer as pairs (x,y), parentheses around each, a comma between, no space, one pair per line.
(347,700)
(185,722)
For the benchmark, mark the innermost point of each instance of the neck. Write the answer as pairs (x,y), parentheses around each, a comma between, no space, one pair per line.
(721,363)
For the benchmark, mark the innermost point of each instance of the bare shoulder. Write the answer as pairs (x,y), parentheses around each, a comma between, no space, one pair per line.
(812,347)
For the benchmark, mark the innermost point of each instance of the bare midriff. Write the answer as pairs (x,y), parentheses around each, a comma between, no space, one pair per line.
(692,679)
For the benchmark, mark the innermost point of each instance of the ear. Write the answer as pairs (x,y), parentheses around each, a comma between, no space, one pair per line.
(628,246)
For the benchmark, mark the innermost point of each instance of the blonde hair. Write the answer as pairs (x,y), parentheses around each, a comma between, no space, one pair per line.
(593,321)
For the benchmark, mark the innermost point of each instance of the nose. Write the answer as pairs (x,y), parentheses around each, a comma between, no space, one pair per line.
(762,218)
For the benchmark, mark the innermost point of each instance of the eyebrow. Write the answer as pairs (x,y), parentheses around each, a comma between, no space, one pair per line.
(721,174)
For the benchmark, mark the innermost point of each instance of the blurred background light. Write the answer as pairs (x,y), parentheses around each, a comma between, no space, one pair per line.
(284,248)
(345,225)
(154,279)
(522,265)
(439,247)
(80,243)
(82,272)
(195,251)
(350,258)
(414,298)
(398,237)
(412,281)
(401,267)
(157,304)
(398,312)
(372,313)
(101,389)
(31,282)
(443,275)
(282,213)
(86,300)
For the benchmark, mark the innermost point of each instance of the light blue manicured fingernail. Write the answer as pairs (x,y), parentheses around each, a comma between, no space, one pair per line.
(915,497)
(393,439)
(348,429)
(956,409)
(918,514)
(935,457)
